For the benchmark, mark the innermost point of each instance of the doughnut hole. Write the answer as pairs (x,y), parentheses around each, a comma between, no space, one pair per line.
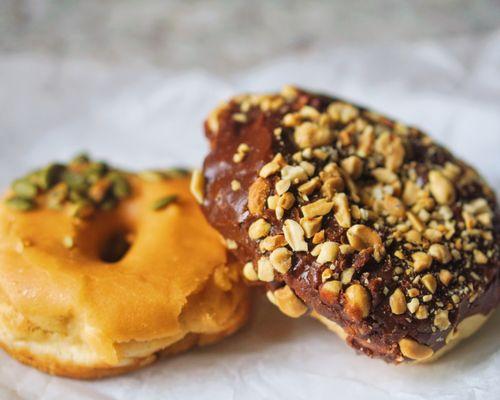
(108,237)
(116,246)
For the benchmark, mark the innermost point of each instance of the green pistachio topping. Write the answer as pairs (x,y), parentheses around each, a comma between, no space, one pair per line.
(159,175)
(83,185)
(163,202)
(20,203)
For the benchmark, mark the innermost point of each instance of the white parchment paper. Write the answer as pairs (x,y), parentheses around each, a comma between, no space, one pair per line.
(140,117)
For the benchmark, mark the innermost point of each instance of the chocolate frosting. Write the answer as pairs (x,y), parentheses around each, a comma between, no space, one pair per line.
(379,333)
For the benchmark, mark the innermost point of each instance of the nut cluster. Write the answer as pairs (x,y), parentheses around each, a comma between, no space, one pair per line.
(350,188)
(82,186)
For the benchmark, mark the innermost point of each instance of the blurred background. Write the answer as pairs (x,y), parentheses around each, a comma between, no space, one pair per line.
(131,81)
(224,36)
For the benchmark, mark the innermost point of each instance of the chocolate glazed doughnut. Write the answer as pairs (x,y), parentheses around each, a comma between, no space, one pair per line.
(379,232)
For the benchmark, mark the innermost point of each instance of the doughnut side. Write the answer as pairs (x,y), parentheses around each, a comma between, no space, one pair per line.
(365,221)
(209,316)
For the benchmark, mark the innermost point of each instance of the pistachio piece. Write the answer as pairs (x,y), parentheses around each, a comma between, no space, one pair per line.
(163,202)
(20,203)
(49,176)
(81,209)
(75,181)
(24,188)
(120,185)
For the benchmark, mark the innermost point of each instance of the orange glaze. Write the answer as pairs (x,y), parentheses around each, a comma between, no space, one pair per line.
(173,255)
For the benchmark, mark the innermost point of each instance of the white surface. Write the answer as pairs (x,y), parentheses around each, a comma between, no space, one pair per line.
(145,118)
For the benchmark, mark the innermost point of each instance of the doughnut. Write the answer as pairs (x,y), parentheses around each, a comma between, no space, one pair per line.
(102,271)
(355,219)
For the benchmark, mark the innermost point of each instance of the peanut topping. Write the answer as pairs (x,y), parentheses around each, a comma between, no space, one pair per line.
(318,208)
(384,175)
(441,188)
(294,235)
(441,320)
(311,225)
(480,257)
(309,187)
(330,291)
(358,191)
(289,303)
(271,167)
(270,243)
(422,312)
(249,272)
(397,302)
(346,275)
(445,277)
(294,174)
(282,186)
(311,135)
(413,305)
(235,185)
(414,350)
(357,301)
(258,229)
(198,186)
(362,237)
(241,152)
(440,253)
(416,222)
(328,252)
(265,270)
(331,186)
(421,261)
(281,259)
(429,282)
(341,210)
(353,166)
(257,194)
(394,207)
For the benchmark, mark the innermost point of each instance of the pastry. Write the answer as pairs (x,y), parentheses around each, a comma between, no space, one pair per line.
(102,271)
(359,220)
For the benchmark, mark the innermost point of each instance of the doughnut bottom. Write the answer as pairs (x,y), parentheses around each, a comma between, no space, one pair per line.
(69,356)
(462,331)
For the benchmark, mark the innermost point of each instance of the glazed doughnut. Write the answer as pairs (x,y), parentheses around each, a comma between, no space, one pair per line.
(379,232)
(101,271)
